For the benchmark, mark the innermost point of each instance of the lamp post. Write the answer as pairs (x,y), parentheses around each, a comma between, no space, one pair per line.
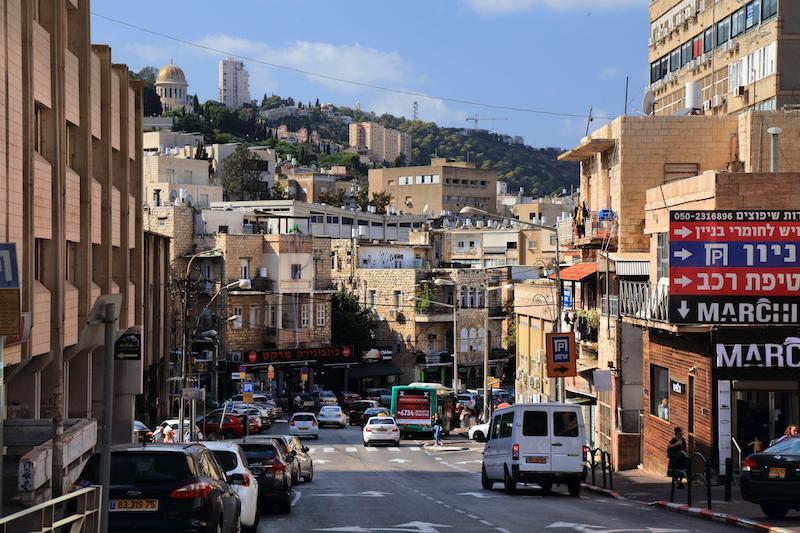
(557,322)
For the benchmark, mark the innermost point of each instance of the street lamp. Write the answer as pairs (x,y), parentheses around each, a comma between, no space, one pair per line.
(557,322)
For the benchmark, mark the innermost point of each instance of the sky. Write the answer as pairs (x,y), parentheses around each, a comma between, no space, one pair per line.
(557,56)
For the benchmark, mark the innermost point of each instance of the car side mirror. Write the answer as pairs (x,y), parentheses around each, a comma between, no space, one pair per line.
(305,449)
(236,479)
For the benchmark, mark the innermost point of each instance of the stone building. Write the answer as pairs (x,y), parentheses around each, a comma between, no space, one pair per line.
(171,87)
(379,143)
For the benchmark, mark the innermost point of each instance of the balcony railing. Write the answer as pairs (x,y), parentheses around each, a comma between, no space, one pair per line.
(593,228)
(643,300)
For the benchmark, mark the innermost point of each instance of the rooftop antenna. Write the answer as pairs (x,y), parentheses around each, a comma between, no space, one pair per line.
(589,121)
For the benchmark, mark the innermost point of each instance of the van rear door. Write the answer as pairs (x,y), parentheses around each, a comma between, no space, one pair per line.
(534,440)
(566,440)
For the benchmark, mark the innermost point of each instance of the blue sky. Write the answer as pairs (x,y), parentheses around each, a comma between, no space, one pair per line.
(553,55)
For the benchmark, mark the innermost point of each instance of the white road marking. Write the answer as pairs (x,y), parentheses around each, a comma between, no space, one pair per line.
(462,511)
(487,523)
(350,449)
(364,494)
(414,448)
(321,462)
(479,495)
(502,530)
(478,461)
(472,516)
(328,450)
(312,450)
(371,449)
(296,497)
(438,458)
(393,449)
(401,461)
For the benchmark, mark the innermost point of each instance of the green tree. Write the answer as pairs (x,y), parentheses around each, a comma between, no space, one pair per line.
(201,152)
(195,105)
(380,200)
(334,198)
(351,324)
(316,103)
(362,196)
(150,99)
(241,174)
(278,191)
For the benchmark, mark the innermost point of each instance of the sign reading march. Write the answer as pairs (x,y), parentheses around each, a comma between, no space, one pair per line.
(734,267)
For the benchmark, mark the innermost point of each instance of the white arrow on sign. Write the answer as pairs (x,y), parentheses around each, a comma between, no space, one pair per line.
(365,494)
(684,309)
(401,461)
(475,461)
(479,495)
(683,281)
(683,232)
(413,527)
(683,254)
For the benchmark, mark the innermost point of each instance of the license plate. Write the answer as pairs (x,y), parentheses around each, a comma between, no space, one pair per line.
(133,505)
(777,473)
(536,460)
(381,429)
(303,429)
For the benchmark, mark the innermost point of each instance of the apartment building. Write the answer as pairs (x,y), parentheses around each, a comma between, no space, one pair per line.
(71,198)
(442,187)
(734,55)
(380,144)
(234,83)
(307,186)
(168,179)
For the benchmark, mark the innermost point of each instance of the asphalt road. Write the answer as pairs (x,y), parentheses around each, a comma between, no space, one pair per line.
(423,489)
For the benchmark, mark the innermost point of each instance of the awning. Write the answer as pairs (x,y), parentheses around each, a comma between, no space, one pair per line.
(580,399)
(372,370)
(577,272)
(587,149)
(630,263)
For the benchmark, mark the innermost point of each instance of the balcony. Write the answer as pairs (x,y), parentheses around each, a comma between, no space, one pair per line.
(596,228)
(324,285)
(644,301)
(497,312)
(433,314)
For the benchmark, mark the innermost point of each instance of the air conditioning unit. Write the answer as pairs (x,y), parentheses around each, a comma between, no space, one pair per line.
(740,91)
(540,355)
(717,101)
(650,42)
(678,20)
(393,314)
(707,105)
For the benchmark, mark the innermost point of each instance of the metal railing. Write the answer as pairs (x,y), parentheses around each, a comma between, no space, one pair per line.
(690,475)
(593,228)
(643,300)
(590,459)
(81,514)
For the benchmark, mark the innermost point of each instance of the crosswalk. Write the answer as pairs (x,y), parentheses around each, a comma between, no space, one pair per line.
(374,449)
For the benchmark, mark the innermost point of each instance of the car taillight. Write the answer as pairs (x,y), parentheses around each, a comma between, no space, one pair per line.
(368,429)
(515,452)
(278,467)
(749,464)
(246,482)
(291,423)
(395,430)
(192,491)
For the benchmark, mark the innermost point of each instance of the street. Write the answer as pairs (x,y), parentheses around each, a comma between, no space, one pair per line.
(425,489)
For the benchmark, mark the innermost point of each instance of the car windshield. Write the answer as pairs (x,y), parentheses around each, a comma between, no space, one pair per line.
(306,397)
(375,411)
(382,421)
(138,426)
(303,418)
(140,467)
(787,445)
(330,410)
(327,394)
(258,453)
(226,459)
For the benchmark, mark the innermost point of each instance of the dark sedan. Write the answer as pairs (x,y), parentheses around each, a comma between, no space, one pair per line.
(273,473)
(357,410)
(772,478)
(166,487)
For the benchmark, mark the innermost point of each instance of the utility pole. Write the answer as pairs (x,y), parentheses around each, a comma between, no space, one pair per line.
(456,386)
(108,410)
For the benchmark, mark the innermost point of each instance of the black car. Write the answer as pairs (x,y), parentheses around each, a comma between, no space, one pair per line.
(772,478)
(358,408)
(273,472)
(166,487)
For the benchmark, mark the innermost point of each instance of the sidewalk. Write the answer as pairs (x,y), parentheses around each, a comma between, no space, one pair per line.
(650,489)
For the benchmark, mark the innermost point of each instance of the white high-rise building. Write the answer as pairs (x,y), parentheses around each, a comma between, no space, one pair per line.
(234,83)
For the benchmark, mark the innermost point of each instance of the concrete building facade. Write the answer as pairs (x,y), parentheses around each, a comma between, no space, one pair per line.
(381,144)
(234,83)
(168,179)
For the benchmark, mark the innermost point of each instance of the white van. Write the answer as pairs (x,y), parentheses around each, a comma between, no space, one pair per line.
(538,443)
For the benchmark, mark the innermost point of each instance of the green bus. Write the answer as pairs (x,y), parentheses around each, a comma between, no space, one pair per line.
(414,406)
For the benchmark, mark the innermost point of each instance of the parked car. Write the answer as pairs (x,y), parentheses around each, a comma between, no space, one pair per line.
(305,466)
(374,411)
(327,397)
(233,461)
(304,425)
(231,427)
(538,443)
(272,472)
(346,399)
(771,478)
(253,410)
(257,397)
(380,395)
(292,466)
(358,408)
(305,401)
(158,434)
(381,429)
(479,432)
(175,487)
(332,415)
(142,432)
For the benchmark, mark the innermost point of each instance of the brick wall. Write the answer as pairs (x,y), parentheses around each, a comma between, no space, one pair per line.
(679,355)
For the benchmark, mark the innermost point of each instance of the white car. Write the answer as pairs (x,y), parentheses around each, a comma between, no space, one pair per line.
(232,460)
(332,415)
(326,397)
(304,425)
(158,434)
(381,429)
(479,432)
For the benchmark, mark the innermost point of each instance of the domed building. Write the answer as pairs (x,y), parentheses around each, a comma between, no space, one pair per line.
(171,87)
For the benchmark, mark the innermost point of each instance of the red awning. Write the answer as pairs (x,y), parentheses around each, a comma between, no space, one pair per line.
(578,272)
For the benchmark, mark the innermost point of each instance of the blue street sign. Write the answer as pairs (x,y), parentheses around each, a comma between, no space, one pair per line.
(9,276)
(247,386)
(566,298)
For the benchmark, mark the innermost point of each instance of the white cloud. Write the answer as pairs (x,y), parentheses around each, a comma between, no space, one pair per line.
(350,61)
(430,109)
(505,7)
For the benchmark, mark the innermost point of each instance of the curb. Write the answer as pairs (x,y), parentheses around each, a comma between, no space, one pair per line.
(723,518)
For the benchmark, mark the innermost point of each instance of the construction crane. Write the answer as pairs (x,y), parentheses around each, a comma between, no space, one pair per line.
(475,119)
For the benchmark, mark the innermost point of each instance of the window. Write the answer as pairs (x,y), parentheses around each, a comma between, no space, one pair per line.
(675,60)
(472,297)
(332,220)
(697,46)
(464,340)
(495,428)
(506,425)
(271,317)
(659,392)
(481,292)
(737,23)
(752,15)
(317,219)
(245,268)
(297,271)
(463,296)
(662,255)
(768,9)
(237,321)
(511,245)
(371,299)
(397,299)
(708,40)
(553,239)
(686,52)
(723,31)
(534,424)
(347,221)
(565,424)
(305,315)
(320,315)
(253,316)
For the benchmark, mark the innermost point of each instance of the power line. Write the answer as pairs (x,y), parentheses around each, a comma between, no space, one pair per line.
(343,80)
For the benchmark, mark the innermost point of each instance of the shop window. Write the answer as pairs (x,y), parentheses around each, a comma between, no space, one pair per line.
(659,392)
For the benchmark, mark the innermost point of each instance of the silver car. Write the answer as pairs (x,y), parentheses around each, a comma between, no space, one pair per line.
(332,415)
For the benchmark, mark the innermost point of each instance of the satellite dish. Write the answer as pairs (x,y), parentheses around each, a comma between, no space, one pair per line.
(648,103)
(189,200)
(173,195)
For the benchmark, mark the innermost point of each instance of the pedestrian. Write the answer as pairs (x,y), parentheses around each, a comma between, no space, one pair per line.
(169,435)
(437,430)
(465,414)
(676,467)
(791,431)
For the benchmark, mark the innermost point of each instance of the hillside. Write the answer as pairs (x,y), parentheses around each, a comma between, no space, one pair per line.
(537,170)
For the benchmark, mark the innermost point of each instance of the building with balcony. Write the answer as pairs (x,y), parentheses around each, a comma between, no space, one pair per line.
(443,186)
(379,143)
(169,179)
(735,55)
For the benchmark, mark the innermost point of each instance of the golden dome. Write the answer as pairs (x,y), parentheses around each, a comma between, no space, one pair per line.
(171,74)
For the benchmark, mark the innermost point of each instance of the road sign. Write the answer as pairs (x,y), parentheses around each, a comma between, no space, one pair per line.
(9,290)
(247,386)
(561,356)
(242,368)
(247,397)
(236,376)
(128,347)
(734,267)
(193,393)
